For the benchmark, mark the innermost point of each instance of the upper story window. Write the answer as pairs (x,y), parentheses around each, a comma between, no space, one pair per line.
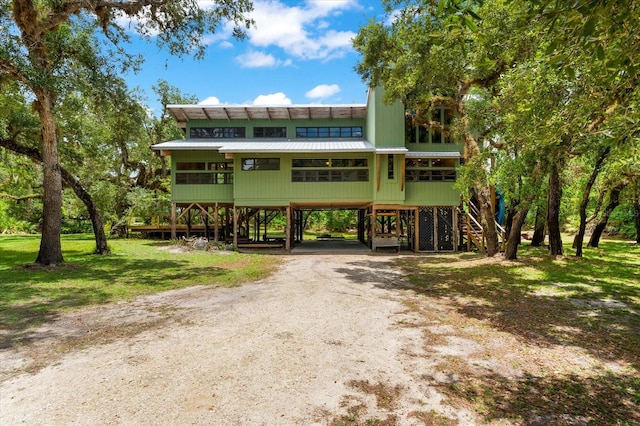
(329,162)
(260,164)
(435,130)
(216,132)
(329,132)
(430,169)
(202,173)
(269,132)
(329,170)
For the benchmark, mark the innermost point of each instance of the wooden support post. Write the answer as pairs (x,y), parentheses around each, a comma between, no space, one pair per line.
(402,172)
(287,231)
(235,227)
(189,222)
(207,233)
(173,221)
(378,167)
(216,223)
(374,222)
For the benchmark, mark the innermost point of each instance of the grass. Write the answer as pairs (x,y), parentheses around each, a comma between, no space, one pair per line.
(569,325)
(30,296)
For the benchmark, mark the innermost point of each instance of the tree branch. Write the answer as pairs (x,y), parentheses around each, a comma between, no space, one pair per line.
(20,199)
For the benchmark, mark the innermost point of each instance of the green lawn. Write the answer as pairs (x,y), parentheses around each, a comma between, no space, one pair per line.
(571,325)
(31,295)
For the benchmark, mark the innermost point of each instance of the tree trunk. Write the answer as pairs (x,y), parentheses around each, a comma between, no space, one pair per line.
(582,227)
(539,230)
(512,211)
(482,188)
(81,193)
(94,214)
(553,210)
(614,201)
(488,221)
(636,213)
(50,246)
(514,234)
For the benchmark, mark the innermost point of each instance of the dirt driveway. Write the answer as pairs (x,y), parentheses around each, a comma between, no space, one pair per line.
(325,340)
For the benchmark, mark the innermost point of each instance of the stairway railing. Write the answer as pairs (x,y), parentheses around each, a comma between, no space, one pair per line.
(474,231)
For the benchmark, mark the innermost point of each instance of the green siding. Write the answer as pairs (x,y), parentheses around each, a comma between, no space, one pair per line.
(383,127)
(198,193)
(289,124)
(390,189)
(275,188)
(385,123)
(431,194)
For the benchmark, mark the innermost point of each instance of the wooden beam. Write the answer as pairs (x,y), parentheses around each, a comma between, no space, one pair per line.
(287,231)
(378,161)
(185,211)
(235,227)
(216,223)
(173,221)
(402,172)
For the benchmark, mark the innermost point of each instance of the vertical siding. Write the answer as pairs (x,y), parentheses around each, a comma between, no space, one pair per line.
(385,123)
(274,187)
(390,189)
(289,124)
(198,193)
(431,194)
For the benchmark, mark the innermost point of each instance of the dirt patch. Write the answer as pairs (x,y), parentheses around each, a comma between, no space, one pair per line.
(326,340)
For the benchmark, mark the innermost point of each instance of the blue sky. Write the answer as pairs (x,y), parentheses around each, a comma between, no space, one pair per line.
(298,53)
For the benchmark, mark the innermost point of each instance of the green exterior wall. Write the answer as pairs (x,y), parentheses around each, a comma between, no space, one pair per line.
(385,123)
(274,187)
(383,127)
(390,191)
(289,124)
(198,193)
(431,194)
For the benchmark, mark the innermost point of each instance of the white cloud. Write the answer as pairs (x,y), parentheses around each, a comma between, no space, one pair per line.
(323,91)
(272,99)
(211,100)
(300,30)
(255,59)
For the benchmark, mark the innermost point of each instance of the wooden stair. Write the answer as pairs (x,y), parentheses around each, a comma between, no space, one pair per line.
(472,233)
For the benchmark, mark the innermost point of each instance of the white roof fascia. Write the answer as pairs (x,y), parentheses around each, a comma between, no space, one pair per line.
(298,146)
(398,150)
(433,154)
(262,145)
(188,145)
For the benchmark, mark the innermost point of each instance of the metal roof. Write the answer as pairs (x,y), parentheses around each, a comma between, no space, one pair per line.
(184,113)
(433,154)
(394,150)
(269,145)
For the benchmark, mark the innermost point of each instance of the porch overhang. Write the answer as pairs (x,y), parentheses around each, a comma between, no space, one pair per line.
(257,146)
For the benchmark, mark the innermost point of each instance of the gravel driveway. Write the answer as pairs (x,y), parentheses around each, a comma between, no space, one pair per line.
(325,340)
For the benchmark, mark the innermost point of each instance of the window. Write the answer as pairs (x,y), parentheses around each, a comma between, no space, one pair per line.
(390,171)
(430,170)
(216,132)
(191,166)
(269,132)
(345,175)
(330,170)
(329,132)
(260,164)
(435,131)
(202,173)
(329,162)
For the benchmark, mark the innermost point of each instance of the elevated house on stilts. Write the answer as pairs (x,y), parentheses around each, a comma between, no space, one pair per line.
(241,166)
